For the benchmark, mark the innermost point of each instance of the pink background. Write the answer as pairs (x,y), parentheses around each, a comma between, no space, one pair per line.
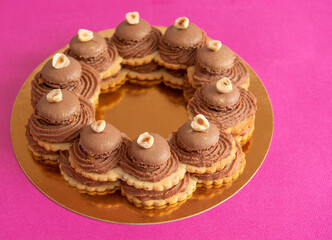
(289,46)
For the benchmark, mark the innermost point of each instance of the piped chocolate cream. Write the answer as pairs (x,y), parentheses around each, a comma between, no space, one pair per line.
(136,40)
(76,77)
(59,122)
(144,195)
(227,171)
(67,169)
(98,152)
(144,68)
(150,164)
(179,46)
(201,148)
(225,109)
(214,64)
(94,52)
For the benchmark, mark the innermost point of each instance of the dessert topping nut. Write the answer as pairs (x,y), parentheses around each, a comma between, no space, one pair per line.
(181,23)
(200,123)
(224,85)
(98,126)
(214,45)
(145,140)
(54,96)
(60,60)
(132,17)
(85,35)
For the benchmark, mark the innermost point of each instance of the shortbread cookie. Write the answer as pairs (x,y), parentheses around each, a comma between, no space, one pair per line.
(83,184)
(58,119)
(39,153)
(160,199)
(225,176)
(174,78)
(225,104)
(73,75)
(113,83)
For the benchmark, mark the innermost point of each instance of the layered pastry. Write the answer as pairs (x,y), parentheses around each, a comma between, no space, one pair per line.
(224,176)
(137,43)
(230,107)
(201,147)
(65,72)
(56,122)
(174,78)
(83,184)
(206,151)
(91,48)
(178,47)
(152,175)
(215,61)
(97,152)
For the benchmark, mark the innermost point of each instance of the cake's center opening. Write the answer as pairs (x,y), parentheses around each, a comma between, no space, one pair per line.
(135,109)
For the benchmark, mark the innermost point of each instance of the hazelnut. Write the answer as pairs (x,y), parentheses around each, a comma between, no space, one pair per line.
(54,96)
(60,60)
(214,45)
(181,23)
(85,35)
(145,140)
(132,18)
(200,123)
(98,126)
(224,85)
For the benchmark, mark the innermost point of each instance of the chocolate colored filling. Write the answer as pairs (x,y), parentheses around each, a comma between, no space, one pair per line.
(145,68)
(225,172)
(205,157)
(238,74)
(145,172)
(138,49)
(86,86)
(60,133)
(144,195)
(245,108)
(65,166)
(180,55)
(96,164)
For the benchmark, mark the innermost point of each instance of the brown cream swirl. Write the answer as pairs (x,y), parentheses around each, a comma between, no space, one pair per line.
(144,195)
(99,165)
(202,158)
(225,172)
(87,86)
(149,173)
(138,49)
(99,62)
(244,108)
(35,146)
(238,74)
(60,133)
(66,168)
(180,73)
(179,55)
(145,68)
(188,90)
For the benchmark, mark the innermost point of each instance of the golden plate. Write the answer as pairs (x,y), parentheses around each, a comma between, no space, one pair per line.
(136,109)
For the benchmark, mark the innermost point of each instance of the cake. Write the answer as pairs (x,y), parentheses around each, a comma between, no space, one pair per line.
(96,158)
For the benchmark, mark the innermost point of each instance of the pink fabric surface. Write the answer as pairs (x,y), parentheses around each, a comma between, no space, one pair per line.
(288,43)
